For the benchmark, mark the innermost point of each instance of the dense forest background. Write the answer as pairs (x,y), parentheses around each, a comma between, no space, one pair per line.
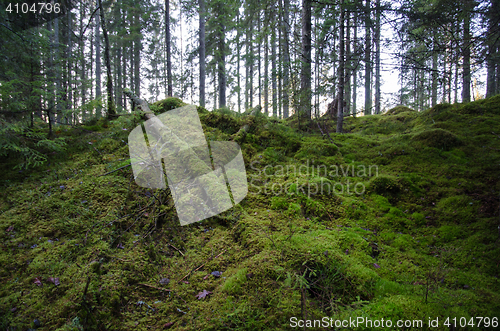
(287,56)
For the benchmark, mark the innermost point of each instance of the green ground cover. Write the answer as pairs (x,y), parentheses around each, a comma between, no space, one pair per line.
(396,219)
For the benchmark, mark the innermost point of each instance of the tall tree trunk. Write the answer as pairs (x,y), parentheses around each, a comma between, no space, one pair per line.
(201,4)
(266,74)
(280,74)
(274,73)
(492,58)
(355,70)
(238,76)
(377,58)
(368,65)
(109,79)
(466,78)
(82,57)
(348,64)
(249,67)
(259,42)
(167,43)
(98,83)
(286,58)
(221,63)
(305,75)
(57,71)
(69,66)
(340,108)
(137,54)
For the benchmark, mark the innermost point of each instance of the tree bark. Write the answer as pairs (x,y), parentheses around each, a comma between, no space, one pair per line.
(167,43)
(377,58)
(221,63)
(286,56)
(274,73)
(466,78)
(98,83)
(201,4)
(355,70)
(305,75)
(109,80)
(368,64)
(340,112)
(137,53)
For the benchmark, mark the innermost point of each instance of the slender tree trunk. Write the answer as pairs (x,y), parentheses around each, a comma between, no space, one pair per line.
(266,74)
(82,56)
(259,42)
(274,73)
(167,43)
(221,63)
(368,65)
(57,71)
(466,77)
(286,55)
(238,54)
(109,79)
(69,67)
(137,54)
(340,108)
(305,75)
(492,59)
(98,83)
(348,64)
(355,70)
(201,4)
(377,58)
(280,74)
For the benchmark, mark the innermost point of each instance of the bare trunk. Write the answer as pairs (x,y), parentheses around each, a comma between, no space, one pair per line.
(305,75)
(98,83)
(286,57)
(340,112)
(466,54)
(167,43)
(368,65)
(201,4)
(377,58)
(221,63)
(109,79)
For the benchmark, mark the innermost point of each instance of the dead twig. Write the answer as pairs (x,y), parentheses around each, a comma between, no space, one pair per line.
(156,288)
(176,249)
(201,266)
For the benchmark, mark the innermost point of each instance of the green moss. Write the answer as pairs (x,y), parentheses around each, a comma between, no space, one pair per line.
(438,138)
(166,105)
(387,186)
(399,109)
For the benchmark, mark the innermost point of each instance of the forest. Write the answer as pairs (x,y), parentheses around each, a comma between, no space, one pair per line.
(367,133)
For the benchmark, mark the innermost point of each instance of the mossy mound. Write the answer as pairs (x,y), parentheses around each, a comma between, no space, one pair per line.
(399,109)
(438,138)
(166,105)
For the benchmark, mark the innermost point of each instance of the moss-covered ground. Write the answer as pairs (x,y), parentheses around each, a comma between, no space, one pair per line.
(397,219)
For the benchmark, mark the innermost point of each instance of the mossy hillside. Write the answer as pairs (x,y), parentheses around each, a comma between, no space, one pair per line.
(421,241)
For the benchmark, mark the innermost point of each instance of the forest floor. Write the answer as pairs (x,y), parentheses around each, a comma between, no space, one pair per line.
(397,219)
